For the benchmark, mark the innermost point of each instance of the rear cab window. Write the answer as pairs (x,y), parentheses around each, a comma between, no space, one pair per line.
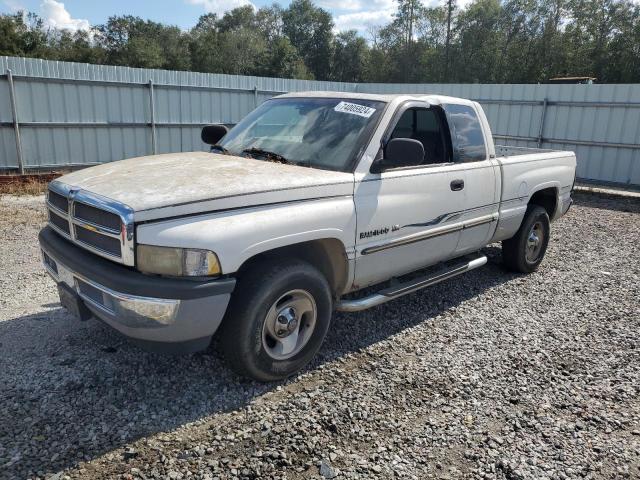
(467,136)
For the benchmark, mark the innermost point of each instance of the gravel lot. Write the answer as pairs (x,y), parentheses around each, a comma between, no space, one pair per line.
(491,375)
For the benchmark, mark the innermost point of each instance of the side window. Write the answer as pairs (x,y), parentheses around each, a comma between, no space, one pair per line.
(404,127)
(424,125)
(426,121)
(466,133)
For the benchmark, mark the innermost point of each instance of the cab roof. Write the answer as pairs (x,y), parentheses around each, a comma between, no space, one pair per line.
(388,97)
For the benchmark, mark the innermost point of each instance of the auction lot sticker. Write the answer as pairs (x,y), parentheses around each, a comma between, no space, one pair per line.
(354,109)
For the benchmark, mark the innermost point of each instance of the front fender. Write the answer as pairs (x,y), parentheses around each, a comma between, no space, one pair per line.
(239,234)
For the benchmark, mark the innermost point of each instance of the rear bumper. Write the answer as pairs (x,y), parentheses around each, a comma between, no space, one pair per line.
(161,314)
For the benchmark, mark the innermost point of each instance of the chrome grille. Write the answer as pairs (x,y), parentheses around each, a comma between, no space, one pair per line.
(106,244)
(61,223)
(95,223)
(97,217)
(58,201)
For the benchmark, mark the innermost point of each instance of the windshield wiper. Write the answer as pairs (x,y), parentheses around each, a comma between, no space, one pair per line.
(276,157)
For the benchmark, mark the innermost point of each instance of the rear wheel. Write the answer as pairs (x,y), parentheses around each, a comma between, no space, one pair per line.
(525,250)
(277,320)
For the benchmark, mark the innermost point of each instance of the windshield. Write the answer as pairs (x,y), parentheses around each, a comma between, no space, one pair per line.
(324,133)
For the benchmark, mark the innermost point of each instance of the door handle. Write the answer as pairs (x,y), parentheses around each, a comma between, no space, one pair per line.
(457,185)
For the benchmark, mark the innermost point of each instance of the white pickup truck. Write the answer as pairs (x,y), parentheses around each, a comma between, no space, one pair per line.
(310,198)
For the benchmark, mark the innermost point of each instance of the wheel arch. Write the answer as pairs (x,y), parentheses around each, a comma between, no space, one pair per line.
(328,255)
(546,198)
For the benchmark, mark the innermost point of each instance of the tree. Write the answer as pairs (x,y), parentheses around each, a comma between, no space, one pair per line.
(282,60)
(405,20)
(23,35)
(309,29)
(447,47)
(79,46)
(479,43)
(350,57)
(270,23)
(135,42)
(237,19)
(511,41)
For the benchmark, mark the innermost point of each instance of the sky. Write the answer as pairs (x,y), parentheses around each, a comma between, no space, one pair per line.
(80,14)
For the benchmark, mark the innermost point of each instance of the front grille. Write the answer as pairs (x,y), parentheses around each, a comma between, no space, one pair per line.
(96,216)
(109,245)
(96,223)
(58,201)
(60,222)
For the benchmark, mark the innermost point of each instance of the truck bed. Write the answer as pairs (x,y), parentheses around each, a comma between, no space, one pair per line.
(526,171)
(511,151)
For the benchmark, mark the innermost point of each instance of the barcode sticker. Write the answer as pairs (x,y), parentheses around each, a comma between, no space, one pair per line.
(354,109)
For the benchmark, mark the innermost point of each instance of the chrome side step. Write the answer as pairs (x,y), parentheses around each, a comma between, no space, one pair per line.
(397,291)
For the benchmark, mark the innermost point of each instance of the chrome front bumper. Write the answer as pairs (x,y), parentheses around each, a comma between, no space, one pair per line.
(130,310)
(162,314)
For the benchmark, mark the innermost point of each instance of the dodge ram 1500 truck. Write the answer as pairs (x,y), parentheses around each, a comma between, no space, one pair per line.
(310,198)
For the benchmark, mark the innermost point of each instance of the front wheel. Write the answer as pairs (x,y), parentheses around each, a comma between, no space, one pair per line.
(525,250)
(277,320)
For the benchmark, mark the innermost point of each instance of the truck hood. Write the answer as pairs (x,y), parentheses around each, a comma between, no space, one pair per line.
(162,186)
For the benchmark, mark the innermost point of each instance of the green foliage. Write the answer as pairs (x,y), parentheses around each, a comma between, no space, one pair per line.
(23,35)
(350,57)
(490,41)
(309,29)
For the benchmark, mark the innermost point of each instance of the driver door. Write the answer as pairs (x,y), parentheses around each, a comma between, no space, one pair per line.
(406,217)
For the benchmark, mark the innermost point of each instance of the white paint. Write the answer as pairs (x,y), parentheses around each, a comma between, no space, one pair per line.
(160,186)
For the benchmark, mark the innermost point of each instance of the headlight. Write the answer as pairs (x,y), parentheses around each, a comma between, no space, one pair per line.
(177,262)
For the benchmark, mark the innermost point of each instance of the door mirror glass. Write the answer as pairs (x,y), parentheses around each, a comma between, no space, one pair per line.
(212,134)
(401,152)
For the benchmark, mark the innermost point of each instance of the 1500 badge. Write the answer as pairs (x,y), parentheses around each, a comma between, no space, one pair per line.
(379,231)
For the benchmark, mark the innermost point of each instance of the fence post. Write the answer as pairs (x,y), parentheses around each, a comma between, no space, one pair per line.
(255,96)
(16,125)
(542,117)
(152,111)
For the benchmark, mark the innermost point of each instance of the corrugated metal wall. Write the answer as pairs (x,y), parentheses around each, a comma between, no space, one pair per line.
(80,114)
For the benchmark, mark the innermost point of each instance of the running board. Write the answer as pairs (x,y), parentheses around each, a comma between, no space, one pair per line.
(397,291)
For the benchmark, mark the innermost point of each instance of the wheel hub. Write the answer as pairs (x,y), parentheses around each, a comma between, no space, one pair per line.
(287,322)
(534,242)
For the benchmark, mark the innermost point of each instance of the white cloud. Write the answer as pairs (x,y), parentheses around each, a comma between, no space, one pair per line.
(220,6)
(361,14)
(362,20)
(463,3)
(340,4)
(55,15)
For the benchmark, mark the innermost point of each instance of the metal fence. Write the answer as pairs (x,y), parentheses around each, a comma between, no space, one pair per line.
(57,114)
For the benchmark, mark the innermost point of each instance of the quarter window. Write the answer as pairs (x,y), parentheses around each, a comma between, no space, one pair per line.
(466,133)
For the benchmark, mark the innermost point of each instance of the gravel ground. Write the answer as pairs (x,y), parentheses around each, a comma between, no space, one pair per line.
(491,375)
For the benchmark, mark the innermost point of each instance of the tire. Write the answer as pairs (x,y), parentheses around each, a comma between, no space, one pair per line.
(259,345)
(524,253)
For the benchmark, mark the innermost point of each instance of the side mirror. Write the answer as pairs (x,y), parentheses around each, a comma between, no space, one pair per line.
(211,134)
(400,152)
